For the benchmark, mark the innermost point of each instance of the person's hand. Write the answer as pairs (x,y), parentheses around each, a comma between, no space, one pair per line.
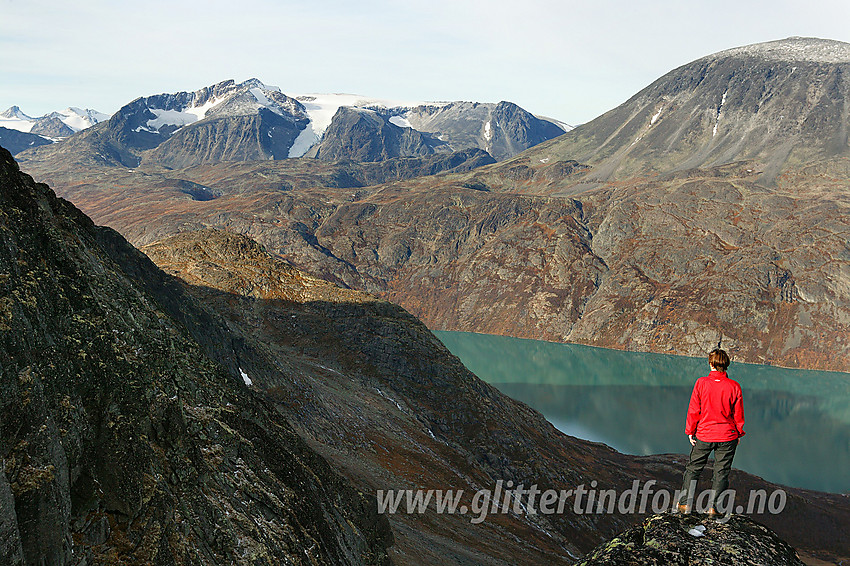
(692,439)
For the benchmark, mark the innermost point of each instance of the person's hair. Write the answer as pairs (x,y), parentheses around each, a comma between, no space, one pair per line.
(719,359)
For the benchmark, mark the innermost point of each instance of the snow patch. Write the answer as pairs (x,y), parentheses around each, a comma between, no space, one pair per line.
(170,118)
(563,125)
(245,377)
(17,124)
(400,121)
(697,531)
(719,110)
(260,96)
(657,114)
(306,139)
(79,119)
(488,134)
(200,112)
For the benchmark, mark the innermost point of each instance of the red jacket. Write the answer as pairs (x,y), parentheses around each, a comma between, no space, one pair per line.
(716,410)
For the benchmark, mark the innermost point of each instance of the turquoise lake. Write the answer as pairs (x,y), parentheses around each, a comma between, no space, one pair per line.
(797,421)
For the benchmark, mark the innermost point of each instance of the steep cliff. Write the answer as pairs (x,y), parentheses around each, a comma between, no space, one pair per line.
(121,440)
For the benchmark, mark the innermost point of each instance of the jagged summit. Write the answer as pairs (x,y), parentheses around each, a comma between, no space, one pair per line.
(812,49)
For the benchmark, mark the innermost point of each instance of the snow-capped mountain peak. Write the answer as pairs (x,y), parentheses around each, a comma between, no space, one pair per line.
(52,125)
(81,118)
(227,98)
(14,113)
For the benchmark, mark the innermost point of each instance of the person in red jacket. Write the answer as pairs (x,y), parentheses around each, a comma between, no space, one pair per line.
(715,422)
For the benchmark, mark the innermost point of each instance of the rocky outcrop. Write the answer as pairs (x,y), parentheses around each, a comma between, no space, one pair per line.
(52,126)
(692,540)
(120,440)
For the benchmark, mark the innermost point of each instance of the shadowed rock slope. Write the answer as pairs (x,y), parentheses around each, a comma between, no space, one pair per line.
(121,441)
(16,141)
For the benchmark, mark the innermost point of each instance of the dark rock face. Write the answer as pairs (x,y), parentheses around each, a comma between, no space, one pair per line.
(51,126)
(399,169)
(363,135)
(693,540)
(516,130)
(121,440)
(262,136)
(16,141)
(502,130)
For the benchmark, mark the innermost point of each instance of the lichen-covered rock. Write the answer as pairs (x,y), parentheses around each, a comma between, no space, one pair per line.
(694,540)
(121,441)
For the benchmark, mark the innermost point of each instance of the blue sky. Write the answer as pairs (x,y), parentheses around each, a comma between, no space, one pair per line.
(567,60)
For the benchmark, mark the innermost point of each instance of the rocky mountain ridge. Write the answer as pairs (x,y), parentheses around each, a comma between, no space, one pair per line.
(502,130)
(253,121)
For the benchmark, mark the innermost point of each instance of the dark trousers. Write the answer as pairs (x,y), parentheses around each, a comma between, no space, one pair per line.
(723,454)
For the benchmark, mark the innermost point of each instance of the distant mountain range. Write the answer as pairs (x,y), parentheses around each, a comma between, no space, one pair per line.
(232,121)
(709,206)
(19,131)
(54,125)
